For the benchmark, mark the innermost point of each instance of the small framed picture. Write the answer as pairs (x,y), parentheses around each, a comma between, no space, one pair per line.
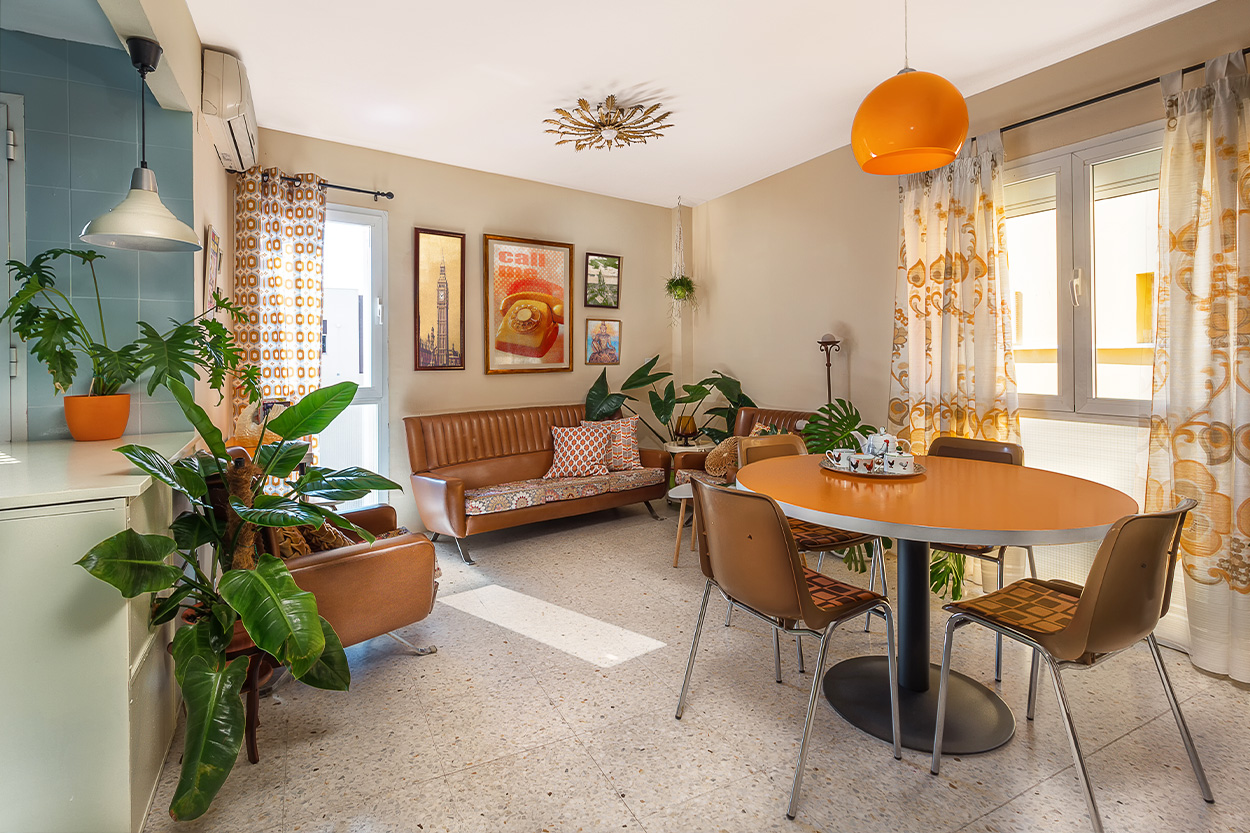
(528,315)
(603,341)
(212,265)
(603,281)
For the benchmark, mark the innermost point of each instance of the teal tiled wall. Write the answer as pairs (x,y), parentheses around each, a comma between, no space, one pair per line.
(81,106)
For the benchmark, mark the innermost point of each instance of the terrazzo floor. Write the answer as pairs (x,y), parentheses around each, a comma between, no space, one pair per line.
(502,732)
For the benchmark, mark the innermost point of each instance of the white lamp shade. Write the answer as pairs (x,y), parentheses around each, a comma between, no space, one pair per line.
(142,222)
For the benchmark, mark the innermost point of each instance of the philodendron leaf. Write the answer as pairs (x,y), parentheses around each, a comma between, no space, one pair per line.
(199,420)
(330,671)
(281,619)
(273,510)
(284,457)
(642,377)
(165,609)
(197,640)
(214,733)
(600,404)
(314,412)
(323,483)
(132,563)
(193,530)
(343,523)
(181,479)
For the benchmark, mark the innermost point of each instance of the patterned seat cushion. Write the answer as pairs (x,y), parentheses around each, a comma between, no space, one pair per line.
(623,481)
(505,496)
(1030,606)
(686,475)
(571,488)
(812,537)
(831,594)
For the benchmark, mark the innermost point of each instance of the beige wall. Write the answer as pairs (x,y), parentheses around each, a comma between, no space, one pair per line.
(431,195)
(813,249)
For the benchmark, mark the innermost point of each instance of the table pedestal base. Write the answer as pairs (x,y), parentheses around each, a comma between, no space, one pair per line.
(977,719)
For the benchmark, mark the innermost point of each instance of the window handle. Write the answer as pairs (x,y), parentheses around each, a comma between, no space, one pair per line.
(1075,286)
(377,302)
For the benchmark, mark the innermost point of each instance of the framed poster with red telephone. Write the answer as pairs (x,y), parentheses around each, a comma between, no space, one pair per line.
(528,316)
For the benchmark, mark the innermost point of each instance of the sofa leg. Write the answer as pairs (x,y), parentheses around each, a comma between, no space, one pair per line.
(421,652)
(464,551)
(651,509)
(434,537)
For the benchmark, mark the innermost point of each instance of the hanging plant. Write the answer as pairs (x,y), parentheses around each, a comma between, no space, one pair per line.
(681,289)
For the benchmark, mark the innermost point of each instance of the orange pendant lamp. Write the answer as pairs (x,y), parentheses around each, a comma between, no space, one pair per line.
(913,122)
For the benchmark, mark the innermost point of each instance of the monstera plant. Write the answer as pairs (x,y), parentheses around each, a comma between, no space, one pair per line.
(241,585)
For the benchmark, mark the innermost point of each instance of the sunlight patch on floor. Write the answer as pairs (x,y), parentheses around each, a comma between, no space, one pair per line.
(566,630)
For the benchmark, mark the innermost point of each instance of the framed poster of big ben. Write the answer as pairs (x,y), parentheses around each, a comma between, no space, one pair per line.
(439,297)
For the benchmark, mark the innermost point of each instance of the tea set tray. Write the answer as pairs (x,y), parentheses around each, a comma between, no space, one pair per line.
(917,470)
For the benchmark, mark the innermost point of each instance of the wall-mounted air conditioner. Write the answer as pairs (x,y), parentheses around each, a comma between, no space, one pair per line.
(228,110)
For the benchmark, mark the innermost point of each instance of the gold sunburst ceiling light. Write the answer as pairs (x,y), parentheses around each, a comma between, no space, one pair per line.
(607,125)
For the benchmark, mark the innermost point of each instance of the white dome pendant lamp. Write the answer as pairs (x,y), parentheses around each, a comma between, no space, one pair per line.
(141,221)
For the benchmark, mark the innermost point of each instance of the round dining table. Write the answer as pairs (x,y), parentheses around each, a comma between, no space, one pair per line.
(954,501)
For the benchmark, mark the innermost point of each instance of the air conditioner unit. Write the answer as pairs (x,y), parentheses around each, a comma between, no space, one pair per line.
(228,110)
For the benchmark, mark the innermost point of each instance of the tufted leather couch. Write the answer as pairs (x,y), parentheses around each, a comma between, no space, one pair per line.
(460,461)
(693,461)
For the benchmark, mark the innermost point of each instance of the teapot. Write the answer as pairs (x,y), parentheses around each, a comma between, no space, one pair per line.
(880,443)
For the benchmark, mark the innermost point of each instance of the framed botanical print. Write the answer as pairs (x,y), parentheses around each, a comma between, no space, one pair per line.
(528,317)
(603,341)
(439,297)
(603,280)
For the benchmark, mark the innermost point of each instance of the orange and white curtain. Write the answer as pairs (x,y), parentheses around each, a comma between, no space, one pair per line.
(1200,415)
(952,371)
(279,228)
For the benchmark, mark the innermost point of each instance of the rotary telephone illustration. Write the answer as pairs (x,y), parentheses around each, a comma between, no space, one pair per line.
(530,323)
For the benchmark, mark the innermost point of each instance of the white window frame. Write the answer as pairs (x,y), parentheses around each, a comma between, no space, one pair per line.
(1072,166)
(13,217)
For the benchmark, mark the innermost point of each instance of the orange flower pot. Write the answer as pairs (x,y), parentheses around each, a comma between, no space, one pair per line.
(97,417)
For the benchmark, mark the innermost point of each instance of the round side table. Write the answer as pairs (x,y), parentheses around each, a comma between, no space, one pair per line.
(682,493)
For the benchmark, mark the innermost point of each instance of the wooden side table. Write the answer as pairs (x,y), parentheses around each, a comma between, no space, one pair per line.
(682,493)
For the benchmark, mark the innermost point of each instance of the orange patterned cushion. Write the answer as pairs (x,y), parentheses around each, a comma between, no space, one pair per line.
(1027,605)
(581,451)
(623,443)
(832,594)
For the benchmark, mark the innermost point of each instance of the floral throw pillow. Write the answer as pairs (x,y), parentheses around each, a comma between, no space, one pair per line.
(580,451)
(622,444)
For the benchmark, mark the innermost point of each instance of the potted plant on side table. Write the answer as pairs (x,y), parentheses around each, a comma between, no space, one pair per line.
(59,337)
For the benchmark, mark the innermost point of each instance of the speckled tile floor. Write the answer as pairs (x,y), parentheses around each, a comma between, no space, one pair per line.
(500,732)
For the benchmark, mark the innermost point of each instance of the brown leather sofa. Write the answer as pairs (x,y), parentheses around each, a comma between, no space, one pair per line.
(462,462)
(692,462)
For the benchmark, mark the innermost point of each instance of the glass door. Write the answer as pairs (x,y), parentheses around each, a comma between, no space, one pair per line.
(353,340)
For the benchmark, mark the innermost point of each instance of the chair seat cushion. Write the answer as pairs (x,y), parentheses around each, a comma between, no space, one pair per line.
(623,481)
(505,496)
(1030,606)
(832,595)
(812,537)
(683,476)
(988,553)
(571,488)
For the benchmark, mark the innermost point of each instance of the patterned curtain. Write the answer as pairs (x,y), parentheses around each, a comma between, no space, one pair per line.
(952,371)
(278,231)
(1200,416)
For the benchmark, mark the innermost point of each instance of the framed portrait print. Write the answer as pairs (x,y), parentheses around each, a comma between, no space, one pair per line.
(212,265)
(603,280)
(439,297)
(528,317)
(603,341)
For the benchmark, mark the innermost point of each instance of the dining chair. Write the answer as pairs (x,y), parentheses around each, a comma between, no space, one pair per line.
(989,451)
(747,553)
(1074,627)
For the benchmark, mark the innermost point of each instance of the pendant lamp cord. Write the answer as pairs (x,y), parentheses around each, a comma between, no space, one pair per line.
(143,120)
(906,59)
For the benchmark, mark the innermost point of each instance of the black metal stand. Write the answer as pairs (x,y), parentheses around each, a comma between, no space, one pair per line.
(977,719)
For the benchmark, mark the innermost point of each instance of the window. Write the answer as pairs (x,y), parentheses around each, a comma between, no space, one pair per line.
(353,340)
(1082,239)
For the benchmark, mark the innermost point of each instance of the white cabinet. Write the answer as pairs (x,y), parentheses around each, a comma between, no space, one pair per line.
(87,697)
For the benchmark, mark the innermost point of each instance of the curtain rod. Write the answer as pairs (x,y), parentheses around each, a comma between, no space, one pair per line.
(1098,98)
(390,195)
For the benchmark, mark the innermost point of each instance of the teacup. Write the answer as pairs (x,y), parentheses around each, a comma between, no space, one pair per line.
(840,458)
(864,463)
(899,463)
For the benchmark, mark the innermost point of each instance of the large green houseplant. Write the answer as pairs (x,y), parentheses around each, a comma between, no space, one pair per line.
(240,583)
(62,338)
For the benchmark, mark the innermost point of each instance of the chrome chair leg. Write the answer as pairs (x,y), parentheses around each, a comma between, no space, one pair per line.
(694,649)
(892,659)
(463,546)
(1180,722)
(939,728)
(421,652)
(1032,563)
(777,653)
(877,565)
(728,612)
(1033,672)
(1081,772)
(798,645)
(998,637)
(820,560)
(807,723)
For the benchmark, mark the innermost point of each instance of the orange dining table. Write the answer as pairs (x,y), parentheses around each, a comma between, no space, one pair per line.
(954,501)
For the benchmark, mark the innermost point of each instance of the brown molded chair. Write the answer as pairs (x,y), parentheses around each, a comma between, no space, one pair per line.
(810,537)
(1127,593)
(989,451)
(746,552)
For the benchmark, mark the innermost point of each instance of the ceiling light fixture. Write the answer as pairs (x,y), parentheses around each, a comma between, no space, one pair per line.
(913,122)
(141,221)
(607,125)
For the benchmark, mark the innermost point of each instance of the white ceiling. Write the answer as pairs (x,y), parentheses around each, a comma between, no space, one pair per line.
(754,87)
